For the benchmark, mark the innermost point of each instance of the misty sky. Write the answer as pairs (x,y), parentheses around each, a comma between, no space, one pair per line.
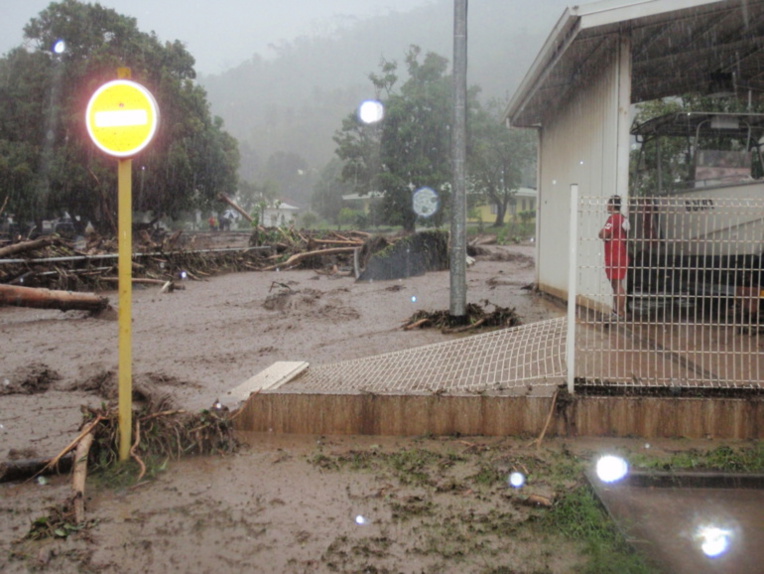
(221,34)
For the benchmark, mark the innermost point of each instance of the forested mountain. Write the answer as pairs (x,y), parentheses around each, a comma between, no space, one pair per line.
(290,105)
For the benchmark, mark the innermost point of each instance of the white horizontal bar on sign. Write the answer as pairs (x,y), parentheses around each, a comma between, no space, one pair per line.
(121,118)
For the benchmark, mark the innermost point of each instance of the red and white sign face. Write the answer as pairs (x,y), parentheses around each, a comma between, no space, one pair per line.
(122,118)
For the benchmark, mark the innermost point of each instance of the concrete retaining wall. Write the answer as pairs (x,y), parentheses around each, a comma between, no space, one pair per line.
(413,415)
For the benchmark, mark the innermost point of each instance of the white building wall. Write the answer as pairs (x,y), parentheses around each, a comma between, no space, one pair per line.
(578,145)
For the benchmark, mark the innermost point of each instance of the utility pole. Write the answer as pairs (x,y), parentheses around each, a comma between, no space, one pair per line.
(458,307)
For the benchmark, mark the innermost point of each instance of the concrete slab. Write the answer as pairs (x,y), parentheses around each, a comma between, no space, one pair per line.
(664,519)
(273,377)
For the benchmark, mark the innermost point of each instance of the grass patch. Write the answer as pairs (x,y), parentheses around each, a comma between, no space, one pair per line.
(724,458)
(579,516)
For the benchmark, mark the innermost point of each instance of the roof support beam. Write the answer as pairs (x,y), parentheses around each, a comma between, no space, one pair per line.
(624,117)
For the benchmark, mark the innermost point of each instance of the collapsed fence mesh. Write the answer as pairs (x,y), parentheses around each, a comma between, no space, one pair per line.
(693,288)
(503,360)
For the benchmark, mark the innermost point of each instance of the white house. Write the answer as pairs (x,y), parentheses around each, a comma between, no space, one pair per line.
(281,213)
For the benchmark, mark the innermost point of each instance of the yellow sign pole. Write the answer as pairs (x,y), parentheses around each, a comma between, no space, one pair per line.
(122,119)
(125,230)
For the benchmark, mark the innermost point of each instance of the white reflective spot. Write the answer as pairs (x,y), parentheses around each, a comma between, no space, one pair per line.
(517,479)
(42,481)
(59,47)
(371,111)
(360,520)
(714,541)
(413,298)
(121,118)
(612,468)
(183,274)
(425,201)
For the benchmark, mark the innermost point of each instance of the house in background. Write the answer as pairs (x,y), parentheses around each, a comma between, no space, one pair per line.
(279,214)
(361,202)
(524,200)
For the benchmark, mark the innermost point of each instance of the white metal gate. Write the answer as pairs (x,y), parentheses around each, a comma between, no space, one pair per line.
(694,284)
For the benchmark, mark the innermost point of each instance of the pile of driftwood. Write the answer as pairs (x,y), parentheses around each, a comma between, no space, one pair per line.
(308,249)
(160,432)
(477,317)
(55,263)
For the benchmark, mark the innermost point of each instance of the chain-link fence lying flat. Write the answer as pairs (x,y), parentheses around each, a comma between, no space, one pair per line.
(507,359)
(694,284)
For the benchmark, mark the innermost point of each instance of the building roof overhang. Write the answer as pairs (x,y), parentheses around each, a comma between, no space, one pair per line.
(678,47)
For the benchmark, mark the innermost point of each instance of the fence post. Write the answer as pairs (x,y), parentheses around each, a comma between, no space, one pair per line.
(570,349)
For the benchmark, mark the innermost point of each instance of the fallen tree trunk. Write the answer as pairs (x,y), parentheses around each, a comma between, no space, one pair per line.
(16,248)
(232,203)
(17,296)
(16,470)
(358,243)
(297,257)
(80,475)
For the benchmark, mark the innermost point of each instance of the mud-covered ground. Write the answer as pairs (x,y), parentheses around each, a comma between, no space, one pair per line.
(281,503)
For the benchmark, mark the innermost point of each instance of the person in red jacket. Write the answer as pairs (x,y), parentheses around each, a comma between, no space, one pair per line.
(614,234)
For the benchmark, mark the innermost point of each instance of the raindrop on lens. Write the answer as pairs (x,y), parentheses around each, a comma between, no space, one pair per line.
(517,480)
(714,541)
(59,47)
(371,111)
(612,468)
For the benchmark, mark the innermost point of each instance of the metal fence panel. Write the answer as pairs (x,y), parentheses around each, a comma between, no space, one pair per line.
(694,284)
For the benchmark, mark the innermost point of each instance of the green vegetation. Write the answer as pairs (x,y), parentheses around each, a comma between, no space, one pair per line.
(722,458)
(49,166)
(411,147)
(579,516)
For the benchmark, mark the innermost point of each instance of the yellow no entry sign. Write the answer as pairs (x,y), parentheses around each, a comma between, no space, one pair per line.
(122,118)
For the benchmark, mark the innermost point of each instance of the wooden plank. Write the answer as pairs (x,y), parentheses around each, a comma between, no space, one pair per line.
(273,377)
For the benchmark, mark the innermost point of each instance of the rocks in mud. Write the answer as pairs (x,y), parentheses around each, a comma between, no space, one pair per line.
(310,303)
(146,387)
(29,380)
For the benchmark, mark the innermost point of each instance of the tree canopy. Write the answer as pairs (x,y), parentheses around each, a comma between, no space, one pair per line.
(49,165)
(410,148)
(498,157)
